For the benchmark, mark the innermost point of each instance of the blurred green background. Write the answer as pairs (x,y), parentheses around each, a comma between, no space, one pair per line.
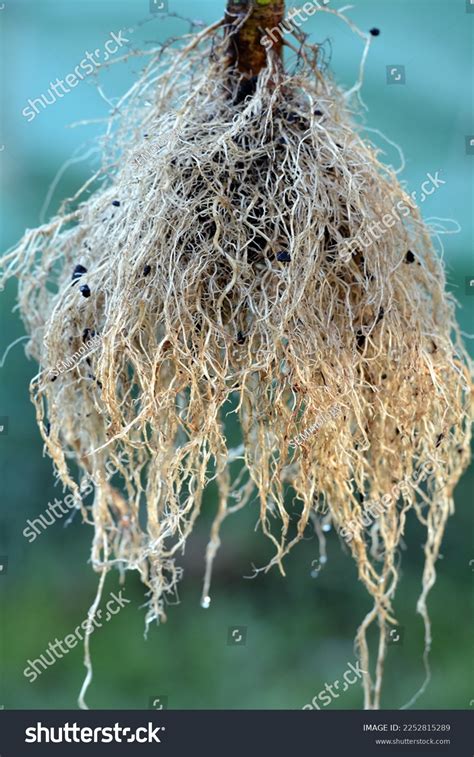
(300,629)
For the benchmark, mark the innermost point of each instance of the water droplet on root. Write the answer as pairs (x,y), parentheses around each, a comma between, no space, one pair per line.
(326,527)
(206,601)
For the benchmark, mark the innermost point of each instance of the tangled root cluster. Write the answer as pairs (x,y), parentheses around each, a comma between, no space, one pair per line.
(212,262)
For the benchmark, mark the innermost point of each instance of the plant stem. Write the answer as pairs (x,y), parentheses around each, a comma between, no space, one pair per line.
(248,21)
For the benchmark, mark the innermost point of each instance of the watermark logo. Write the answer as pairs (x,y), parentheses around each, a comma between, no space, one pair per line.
(321,420)
(317,566)
(470,144)
(293,21)
(469,284)
(396,74)
(64,506)
(395,636)
(428,187)
(332,690)
(375,508)
(158,702)
(375,231)
(59,648)
(158,6)
(236,636)
(64,366)
(88,65)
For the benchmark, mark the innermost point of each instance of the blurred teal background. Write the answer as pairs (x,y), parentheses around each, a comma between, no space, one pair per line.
(300,629)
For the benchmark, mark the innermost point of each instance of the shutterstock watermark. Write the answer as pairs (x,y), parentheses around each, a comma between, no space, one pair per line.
(87,66)
(56,511)
(351,676)
(272,36)
(71,640)
(72,733)
(374,510)
(378,229)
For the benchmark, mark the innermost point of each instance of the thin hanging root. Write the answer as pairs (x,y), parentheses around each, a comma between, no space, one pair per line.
(213,264)
(89,629)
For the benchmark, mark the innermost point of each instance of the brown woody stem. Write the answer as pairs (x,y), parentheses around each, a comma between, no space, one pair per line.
(248,21)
